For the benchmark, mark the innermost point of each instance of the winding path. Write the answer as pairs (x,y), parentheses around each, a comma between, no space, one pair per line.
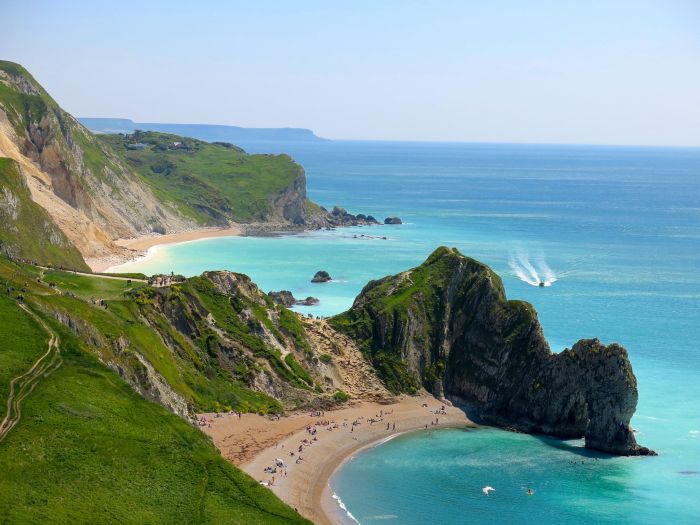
(22,385)
(98,275)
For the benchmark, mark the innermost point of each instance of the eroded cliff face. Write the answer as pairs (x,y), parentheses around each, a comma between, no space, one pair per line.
(448,326)
(74,167)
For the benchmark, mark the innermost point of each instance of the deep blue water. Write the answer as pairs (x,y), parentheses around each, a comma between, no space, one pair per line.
(618,227)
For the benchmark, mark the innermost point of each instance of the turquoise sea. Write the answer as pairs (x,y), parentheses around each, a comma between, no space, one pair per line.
(615,230)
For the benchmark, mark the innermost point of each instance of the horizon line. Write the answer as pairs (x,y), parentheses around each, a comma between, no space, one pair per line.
(418,141)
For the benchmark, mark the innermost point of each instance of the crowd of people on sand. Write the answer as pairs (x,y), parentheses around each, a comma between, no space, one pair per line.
(280,469)
(204,422)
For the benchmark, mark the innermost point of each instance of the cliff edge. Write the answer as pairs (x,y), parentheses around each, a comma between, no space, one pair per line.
(447,326)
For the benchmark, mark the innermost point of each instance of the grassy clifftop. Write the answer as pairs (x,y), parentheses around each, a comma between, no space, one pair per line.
(88,449)
(26,229)
(212,182)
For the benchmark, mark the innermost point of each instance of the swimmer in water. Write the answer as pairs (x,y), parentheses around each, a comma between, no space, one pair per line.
(530,492)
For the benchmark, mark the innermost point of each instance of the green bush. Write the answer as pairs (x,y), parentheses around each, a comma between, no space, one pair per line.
(340,396)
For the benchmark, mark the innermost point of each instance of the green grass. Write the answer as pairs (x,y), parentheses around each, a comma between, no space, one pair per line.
(126,275)
(211,183)
(298,370)
(23,342)
(26,229)
(84,431)
(87,287)
(188,368)
(90,450)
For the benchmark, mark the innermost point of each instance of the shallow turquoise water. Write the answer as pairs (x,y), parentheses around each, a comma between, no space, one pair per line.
(620,230)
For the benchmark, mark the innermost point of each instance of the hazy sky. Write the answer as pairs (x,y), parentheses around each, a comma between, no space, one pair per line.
(612,72)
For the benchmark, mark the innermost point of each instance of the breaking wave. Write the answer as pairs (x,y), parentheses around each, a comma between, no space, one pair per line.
(344,508)
(534,271)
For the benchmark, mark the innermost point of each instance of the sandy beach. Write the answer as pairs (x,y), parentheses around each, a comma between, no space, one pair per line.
(137,246)
(254,442)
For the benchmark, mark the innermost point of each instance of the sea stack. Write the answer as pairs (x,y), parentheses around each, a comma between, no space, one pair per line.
(321,276)
(392,220)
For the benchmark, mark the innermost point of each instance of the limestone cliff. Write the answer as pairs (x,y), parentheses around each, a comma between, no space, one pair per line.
(447,325)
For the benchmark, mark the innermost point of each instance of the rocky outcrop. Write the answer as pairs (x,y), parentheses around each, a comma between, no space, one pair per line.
(447,325)
(283,297)
(340,217)
(321,276)
(309,301)
(393,220)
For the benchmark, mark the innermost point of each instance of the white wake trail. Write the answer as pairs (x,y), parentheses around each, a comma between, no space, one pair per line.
(548,275)
(538,273)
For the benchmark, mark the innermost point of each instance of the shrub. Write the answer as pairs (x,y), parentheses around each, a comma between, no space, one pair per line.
(340,396)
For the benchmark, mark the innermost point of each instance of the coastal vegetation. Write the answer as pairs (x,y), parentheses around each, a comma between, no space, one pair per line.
(83,430)
(213,183)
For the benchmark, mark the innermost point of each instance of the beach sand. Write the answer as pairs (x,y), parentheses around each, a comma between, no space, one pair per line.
(253,442)
(137,246)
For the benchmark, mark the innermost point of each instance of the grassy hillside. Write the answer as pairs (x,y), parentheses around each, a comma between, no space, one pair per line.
(26,230)
(209,337)
(83,432)
(209,182)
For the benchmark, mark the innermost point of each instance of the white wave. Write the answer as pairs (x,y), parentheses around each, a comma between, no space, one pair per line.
(386,439)
(344,508)
(534,273)
(383,517)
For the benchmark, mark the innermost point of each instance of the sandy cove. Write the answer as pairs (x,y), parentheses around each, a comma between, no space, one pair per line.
(138,246)
(253,442)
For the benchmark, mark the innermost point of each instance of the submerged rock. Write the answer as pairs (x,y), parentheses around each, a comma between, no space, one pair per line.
(447,326)
(321,276)
(392,220)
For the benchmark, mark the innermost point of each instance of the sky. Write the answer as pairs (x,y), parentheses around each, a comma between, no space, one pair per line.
(587,72)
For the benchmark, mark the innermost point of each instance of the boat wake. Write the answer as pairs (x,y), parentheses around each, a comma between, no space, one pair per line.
(535,273)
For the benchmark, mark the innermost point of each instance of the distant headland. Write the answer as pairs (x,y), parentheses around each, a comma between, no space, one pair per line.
(206,132)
